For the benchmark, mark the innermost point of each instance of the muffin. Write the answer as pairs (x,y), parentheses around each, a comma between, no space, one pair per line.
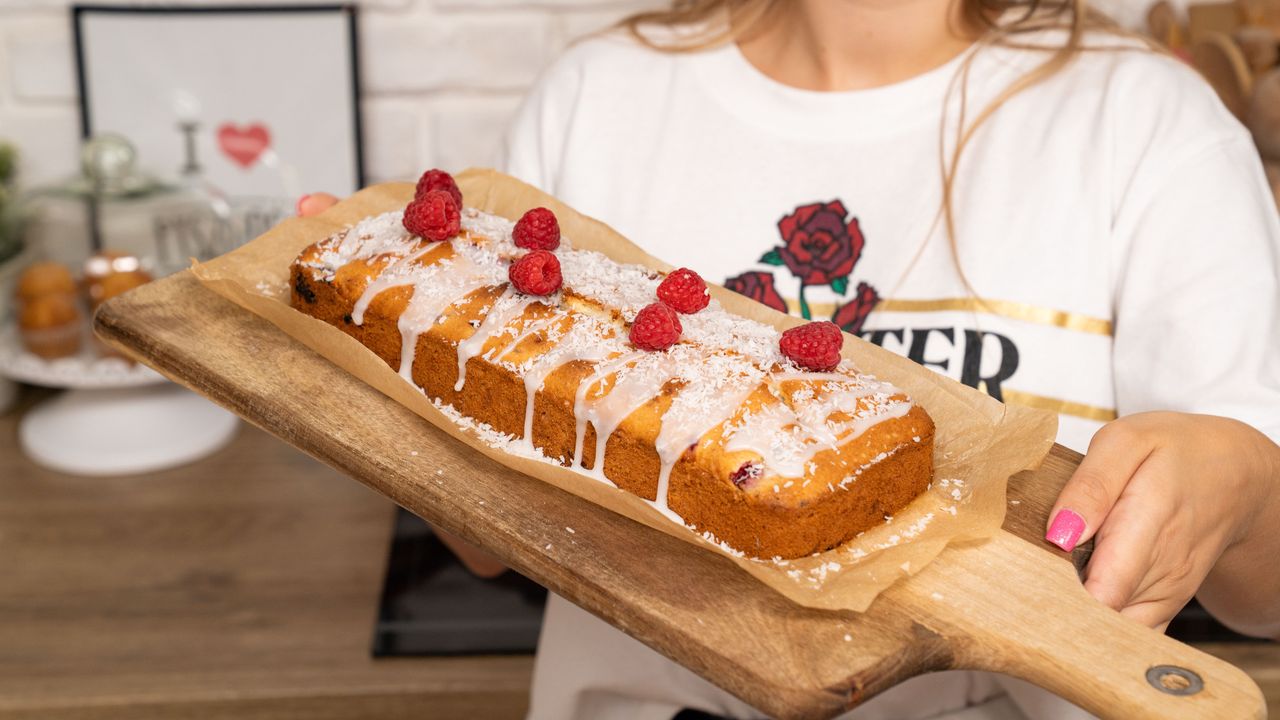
(109,274)
(50,325)
(44,278)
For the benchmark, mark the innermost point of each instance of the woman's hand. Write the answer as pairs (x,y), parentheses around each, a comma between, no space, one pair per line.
(479,562)
(1175,501)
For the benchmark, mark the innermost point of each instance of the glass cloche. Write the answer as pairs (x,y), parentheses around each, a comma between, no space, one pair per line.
(113,205)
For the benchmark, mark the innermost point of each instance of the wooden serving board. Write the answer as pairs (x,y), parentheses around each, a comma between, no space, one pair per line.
(1012,604)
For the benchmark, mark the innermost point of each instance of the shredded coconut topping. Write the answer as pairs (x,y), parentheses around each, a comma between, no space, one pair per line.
(722,358)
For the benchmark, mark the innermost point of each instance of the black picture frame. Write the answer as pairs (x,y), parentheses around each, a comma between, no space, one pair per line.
(349,11)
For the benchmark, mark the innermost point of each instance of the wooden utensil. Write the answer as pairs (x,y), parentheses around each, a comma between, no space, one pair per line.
(1258,47)
(1163,25)
(1212,17)
(1225,66)
(1011,604)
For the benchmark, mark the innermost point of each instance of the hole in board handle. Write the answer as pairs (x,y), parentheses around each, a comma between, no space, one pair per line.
(1173,680)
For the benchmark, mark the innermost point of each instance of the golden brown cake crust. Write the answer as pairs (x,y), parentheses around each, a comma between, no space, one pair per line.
(845,490)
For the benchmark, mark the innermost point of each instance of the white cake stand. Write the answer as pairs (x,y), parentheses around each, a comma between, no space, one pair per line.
(116,418)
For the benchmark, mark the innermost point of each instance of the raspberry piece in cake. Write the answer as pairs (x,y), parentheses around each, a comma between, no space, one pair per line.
(813,346)
(537,229)
(746,474)
(434,216)
(656,327)
(684,291)
(537,273)
(435,179)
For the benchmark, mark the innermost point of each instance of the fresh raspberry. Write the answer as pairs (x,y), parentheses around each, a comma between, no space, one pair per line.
(814,346)
(434,216)
(656,327)
(684,291)
(438,180)
(537,273)
(537,230)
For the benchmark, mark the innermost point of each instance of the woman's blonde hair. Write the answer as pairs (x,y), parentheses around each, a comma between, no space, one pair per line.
(710,23)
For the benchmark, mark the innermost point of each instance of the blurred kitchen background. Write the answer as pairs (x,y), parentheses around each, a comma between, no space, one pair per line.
(439,78)
(158,558)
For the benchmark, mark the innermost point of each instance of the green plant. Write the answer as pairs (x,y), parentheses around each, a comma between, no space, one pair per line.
(10,213)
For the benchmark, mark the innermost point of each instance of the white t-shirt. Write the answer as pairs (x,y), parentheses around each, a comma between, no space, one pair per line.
(1114,219)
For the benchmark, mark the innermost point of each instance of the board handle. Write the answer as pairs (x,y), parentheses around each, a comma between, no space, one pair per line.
(1008,606)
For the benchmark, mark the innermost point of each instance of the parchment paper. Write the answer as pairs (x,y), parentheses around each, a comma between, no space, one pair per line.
(979,442)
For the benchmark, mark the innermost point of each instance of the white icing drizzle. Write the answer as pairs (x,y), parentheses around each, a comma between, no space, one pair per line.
(582,342)
(584,412)
(527,331)
(787,438)
(700,407)
(506,308)
(433,293)
(720,361)
(397,273)
(377,235)
(633,386)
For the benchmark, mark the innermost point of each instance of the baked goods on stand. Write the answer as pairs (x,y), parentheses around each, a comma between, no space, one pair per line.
(108,274)
(48,341)
(117,417)
(51,326)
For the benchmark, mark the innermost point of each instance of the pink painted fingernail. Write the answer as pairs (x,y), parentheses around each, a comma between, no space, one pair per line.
(1066,529)
(297,209)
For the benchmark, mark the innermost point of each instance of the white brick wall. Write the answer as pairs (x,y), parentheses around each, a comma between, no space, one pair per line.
(440,77)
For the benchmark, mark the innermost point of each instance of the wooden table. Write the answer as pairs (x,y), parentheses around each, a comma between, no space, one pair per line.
(693,606)
(244,586)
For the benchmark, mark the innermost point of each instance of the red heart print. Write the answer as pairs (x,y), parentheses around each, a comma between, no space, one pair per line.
(244,145)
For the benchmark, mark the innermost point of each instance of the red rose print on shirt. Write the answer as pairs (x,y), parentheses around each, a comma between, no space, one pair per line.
(821,244)
(759,287)
(852,314)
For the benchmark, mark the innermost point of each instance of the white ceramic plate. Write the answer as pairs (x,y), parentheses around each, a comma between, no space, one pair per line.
(124,431)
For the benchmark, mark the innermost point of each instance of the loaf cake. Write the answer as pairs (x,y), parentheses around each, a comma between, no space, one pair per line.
(720,431)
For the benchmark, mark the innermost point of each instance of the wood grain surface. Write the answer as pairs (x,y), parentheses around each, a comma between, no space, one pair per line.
(1011,604)
(244,586)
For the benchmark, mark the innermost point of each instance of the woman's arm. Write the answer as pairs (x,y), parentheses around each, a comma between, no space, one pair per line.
(479,562)
(1187,502)
(1243,590)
